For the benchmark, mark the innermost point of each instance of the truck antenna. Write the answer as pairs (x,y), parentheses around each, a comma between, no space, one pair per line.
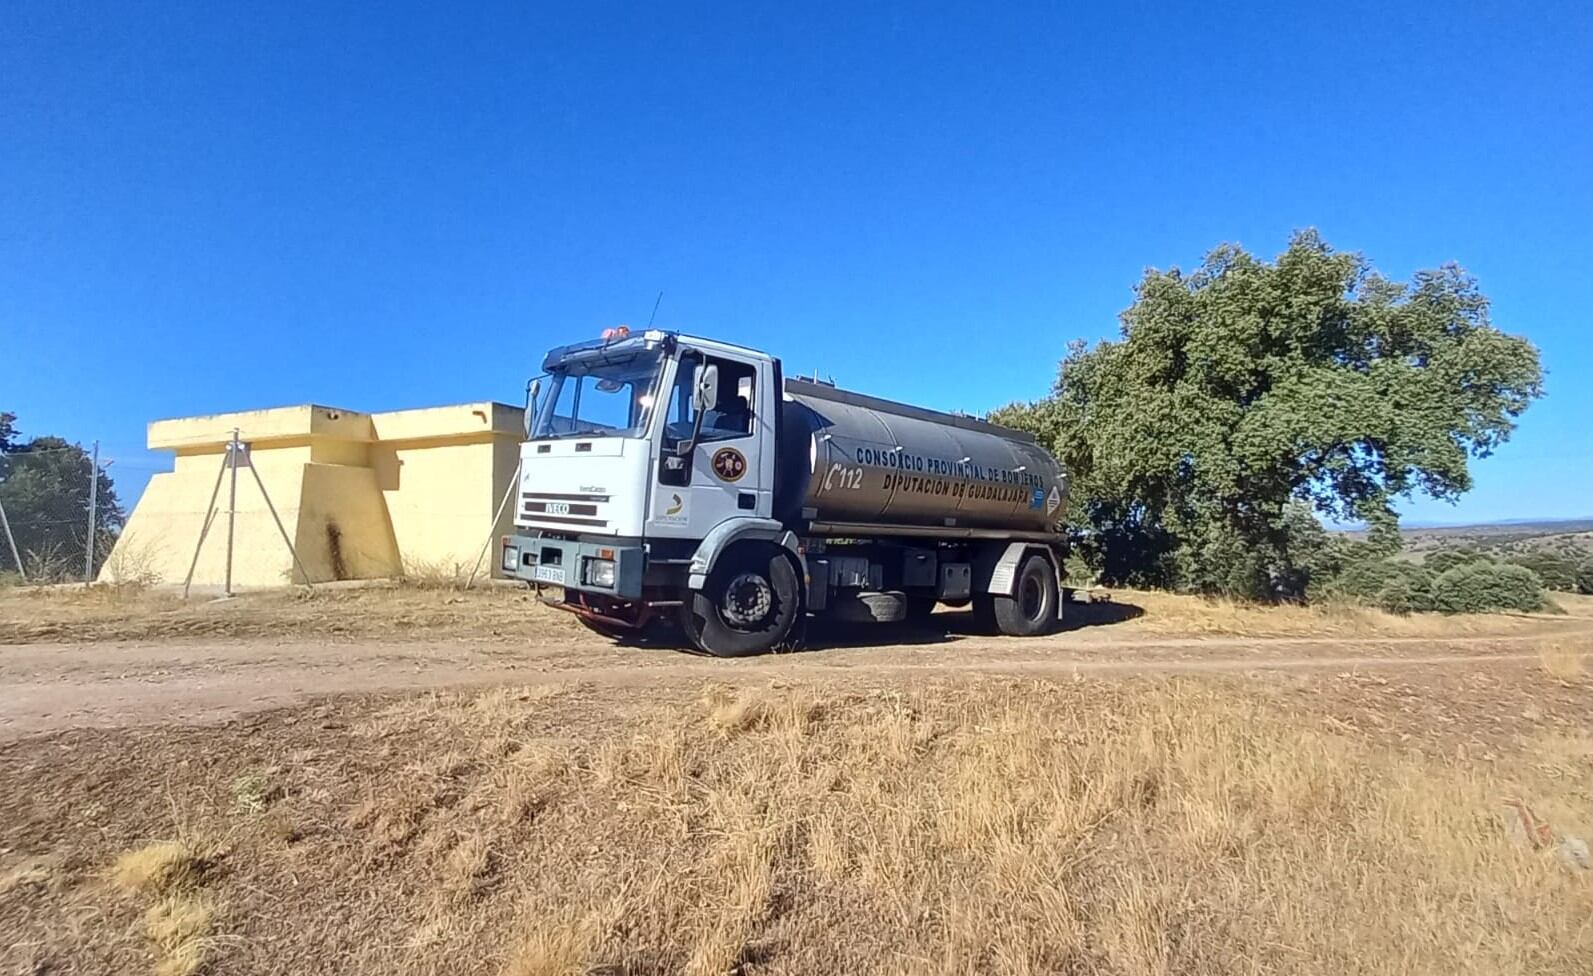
(655,309)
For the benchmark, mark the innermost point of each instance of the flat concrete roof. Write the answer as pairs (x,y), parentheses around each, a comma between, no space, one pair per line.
(312,420)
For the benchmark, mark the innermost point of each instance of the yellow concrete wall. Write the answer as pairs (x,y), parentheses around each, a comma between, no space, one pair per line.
(163,531)
(439,500)
(361,495)
(441,472)
(343,527)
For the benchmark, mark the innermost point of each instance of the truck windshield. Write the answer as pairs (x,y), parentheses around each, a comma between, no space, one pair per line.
(602,393)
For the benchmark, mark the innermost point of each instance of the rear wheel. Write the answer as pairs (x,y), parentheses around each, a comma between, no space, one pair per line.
(1032,608)
(748,604)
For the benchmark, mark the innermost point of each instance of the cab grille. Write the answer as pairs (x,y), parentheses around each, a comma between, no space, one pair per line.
(562,508)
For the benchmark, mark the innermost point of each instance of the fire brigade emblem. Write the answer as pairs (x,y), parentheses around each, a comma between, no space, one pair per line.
(729,464)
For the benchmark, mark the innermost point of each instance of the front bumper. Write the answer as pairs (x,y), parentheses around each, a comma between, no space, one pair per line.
(590,567)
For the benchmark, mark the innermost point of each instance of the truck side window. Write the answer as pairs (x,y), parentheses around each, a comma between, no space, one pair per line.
(679,415)
(732,415)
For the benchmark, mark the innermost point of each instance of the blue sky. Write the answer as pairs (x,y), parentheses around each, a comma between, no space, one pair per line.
(208,207)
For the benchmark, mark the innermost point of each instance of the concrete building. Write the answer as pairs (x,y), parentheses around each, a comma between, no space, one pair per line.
(363,495)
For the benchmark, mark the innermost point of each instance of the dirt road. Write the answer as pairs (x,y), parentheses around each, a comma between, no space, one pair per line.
(48,687)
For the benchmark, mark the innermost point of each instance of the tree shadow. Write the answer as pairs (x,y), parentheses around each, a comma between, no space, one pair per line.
(943,627)
(1077,616)
(950,625)
(824,634)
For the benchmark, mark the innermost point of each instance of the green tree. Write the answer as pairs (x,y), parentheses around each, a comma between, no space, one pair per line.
(44,486)
(1247,385)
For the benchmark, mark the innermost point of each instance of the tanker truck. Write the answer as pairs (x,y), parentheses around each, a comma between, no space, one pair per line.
(669,479)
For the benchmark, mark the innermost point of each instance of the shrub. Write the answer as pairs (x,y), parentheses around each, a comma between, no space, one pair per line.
(1557,572)
(1398,587)
(1446,559)
(1485,587)
(1399,596)
(1584,577)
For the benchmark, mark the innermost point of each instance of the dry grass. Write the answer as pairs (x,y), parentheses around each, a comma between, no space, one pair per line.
(132,562)
(396,612)
(1020,828)
(974,826)
(560,942)
(158,868)
(1181,831)
(1179,614)
(30,874)
(1563,660)
(178,927)
(442,574)
(177,922)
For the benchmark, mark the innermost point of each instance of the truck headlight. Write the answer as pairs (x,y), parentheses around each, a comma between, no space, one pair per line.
(511,558)
(600,572)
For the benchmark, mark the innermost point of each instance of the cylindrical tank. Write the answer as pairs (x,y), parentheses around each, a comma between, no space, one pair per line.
(854,459)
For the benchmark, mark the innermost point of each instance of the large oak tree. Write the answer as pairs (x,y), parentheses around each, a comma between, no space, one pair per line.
(1242,393)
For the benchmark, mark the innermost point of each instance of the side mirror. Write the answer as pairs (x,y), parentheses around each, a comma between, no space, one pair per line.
(704,394)
(531,390)
(707,392)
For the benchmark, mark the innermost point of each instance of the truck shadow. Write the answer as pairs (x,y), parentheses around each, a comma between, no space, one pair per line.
(951,625)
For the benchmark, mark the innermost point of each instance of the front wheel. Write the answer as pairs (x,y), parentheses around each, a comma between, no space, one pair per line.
(747,606)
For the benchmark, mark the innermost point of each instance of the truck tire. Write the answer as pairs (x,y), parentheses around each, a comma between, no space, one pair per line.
(1031,610)
(748,605)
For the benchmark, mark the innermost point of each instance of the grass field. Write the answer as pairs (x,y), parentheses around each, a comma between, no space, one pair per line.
(1131,827)
(911,809)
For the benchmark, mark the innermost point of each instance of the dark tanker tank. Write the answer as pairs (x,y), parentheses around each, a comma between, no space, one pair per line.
(850,462)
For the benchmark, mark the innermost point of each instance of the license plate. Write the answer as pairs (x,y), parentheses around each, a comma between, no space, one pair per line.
(557,508)
(548,574)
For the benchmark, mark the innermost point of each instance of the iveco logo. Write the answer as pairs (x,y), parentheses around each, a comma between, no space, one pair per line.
(558,508)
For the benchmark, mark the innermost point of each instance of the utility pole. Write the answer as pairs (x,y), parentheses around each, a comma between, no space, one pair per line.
(94,497)
(232,503)
(235,455)
(5,523)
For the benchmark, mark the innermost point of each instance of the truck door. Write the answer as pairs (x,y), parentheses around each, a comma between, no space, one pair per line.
(730,470)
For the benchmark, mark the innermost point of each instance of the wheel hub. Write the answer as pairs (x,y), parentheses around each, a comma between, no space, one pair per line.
(1031,600)
(747,601)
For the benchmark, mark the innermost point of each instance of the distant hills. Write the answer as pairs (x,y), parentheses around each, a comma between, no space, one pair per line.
(1534,533)
(1502,527)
